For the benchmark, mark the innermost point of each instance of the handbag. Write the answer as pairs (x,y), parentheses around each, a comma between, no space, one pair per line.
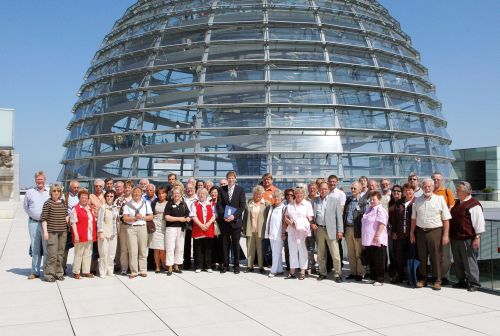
(150,226)
(216,229)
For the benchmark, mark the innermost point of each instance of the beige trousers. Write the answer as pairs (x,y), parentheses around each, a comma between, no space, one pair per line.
(354,249)
(323,241)
(137,244)
(123,248)
(83,257)
(107,251)
(255,243)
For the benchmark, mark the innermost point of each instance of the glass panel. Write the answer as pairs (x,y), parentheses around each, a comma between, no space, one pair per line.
(391,63)
(359,97)
(183,37)
(407,122)
(302,117)
(300,95)
(76,169)
(409,145)
(407,52)
(367,143)
(118,144)
(85,148)
(233,117)
(440,149)
(384,45)
(430,108)
(294,33)
(344,37)
(414,70)
(299,73)
(338,20)
(245,164)
(125,101)
(227,141)
(127,82)
(355,166)
(424,89)
(443,166)
(436,128)
(179,55)
(230,94)
(401,102)
(168,119)
(173,97)
(352,118)
(105,69)
(192,18)
(367,12)
(119,124)
(237,3)
(397,81)
(132,62)
(161,166)
(235,73)
(141,43)
(118,168)
(238,51)
(304,165)
(291,16)
(355,75)
(309,143)
(179,141)
(175,76)
(376,28)
(237,33)
(239,16)
(333,4)
(287,3)
(421,166)
(293,52)
(348,56)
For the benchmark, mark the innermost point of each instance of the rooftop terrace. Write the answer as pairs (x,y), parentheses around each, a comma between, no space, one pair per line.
(224,304)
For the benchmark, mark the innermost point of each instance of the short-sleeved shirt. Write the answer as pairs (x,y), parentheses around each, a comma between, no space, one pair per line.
(370,223)
(176,210)
(340,195)
(299,213)
(430,212)
(133,208)
(268,194)
(447,195)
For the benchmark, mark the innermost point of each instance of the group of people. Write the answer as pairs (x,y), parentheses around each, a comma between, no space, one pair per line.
(115,227)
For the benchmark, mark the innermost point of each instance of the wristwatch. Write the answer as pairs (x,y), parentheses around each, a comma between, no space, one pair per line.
(478,236)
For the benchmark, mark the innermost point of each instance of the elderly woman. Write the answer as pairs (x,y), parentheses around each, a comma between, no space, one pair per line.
(217,252)
(254,222)
(156,239)
(83,224)
(374,236)
(203,218)
(176,216)
(273,229)
(54,224)
(108,216)
(135,215)
(297,223)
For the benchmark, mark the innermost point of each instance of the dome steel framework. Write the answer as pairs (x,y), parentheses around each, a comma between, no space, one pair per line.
(298,88)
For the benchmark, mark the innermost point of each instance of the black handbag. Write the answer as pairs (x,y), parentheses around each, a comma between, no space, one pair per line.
(150,226)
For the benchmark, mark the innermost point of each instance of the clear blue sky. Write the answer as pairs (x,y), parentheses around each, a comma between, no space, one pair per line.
(46,47)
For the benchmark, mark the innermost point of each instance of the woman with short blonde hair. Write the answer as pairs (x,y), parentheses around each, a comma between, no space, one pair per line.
(254,220)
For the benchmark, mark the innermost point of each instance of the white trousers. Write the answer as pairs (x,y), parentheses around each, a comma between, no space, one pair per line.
(174,245)
(277,249)
(83,257)
(107,252)
(298,253)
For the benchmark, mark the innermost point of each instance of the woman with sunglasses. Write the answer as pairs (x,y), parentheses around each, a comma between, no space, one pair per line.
(108,216)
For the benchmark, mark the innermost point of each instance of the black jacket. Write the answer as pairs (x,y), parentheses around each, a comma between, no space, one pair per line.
(238,202)
(358,215)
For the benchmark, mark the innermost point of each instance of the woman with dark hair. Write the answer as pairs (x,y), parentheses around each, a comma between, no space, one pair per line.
(217,246)
(108,216)
(374,237)
(156,240)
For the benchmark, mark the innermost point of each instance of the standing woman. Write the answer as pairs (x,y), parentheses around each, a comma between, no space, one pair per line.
(254,218)
(54,223)
(297,223)
(108,216)
(177,217)
(135,215)
(203,219)
(217,254)
(83,223)
(156,239)
(374,236)
(273,232)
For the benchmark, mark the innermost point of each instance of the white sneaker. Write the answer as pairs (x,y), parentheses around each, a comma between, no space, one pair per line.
(376,283)
(102,277)
(272,275)
(197,270)
(209,270)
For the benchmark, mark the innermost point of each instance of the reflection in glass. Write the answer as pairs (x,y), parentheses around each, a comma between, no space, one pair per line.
(299,74)
(353,118)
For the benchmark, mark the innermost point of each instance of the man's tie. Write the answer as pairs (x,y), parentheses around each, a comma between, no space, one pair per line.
(230,193)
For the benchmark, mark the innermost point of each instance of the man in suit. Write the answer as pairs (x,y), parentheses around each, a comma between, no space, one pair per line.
(234,196)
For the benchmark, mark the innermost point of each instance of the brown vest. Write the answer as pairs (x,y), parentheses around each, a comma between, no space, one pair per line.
(461,224)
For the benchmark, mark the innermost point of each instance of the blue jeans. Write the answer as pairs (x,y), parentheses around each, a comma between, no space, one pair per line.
(38,245)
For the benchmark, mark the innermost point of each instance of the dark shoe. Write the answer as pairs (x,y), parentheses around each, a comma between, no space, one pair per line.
(395,280)
(358,278)
(76,276)
(33,276)
(50,279)
(60,278)
(445,282)
(313,270)
(321,277)
(290,276)
(261,270)
(302,276)
(157,271)
(338,279)
(351,277)
(87,275)
(236,270)
(223,270)
(248,270)
(421,284)
(169,273)
(436,285)
(460,284)
(176,270)
(367,276)
(473,288)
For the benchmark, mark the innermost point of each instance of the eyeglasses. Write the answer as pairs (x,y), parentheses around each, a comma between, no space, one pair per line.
(396,190)
(110,196)
(354,188)
(288,195)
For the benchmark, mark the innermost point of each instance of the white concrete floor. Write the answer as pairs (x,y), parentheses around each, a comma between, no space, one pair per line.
(225,304)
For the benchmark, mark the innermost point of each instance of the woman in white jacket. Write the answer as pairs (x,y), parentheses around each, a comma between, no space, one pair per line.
(273,232)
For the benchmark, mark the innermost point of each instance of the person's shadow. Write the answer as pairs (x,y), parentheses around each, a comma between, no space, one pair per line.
(20,271)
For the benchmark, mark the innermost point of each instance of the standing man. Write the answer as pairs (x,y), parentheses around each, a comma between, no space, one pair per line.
(119,189)
(385,183)
(413,181)
(449,198)
(232,197)
(430,230)
(352,215)
(70,199)
(33,204)
(466,226)
(189,199)
(171,178)
(143,183)
(363,180)
(329,229)
(150,194)
(312,194)
(109,184)
(333,182)
(269,188)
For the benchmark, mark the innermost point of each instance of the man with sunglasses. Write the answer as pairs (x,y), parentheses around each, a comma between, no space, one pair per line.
(413,181)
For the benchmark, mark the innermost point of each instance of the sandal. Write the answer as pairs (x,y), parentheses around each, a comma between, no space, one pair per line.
(302,276)
(290,276)
(77,276)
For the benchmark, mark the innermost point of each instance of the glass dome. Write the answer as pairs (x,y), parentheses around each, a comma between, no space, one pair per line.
(298,88)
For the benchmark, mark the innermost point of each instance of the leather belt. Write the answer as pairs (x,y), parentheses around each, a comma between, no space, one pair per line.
(34,220)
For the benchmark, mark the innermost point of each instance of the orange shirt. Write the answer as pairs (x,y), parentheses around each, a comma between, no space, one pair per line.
(448,196)
(268,194)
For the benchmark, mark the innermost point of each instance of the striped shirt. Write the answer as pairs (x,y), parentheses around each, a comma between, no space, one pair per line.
(54,213)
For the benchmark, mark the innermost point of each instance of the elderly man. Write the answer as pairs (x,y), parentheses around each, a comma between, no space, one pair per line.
(363,180)
(413,181)
(448,196)
(143,183)
(335,192)
(119,189)
(33,204)
(385,183)
(150,194)
(430,230)
(109,184)
(329,229)
(466,226)
(121,257)
(223,182)
(267,184)
(70,200)
(353,213)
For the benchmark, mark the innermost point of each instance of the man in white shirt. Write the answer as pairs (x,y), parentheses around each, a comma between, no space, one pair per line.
(413,181)
(430,230)
(385,183)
